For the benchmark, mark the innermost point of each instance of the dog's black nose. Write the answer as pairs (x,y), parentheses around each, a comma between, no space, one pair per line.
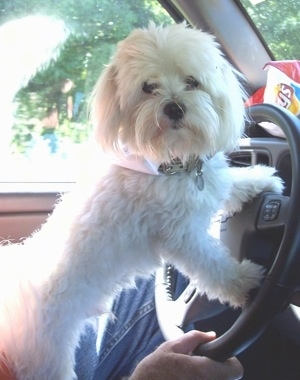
(175,111)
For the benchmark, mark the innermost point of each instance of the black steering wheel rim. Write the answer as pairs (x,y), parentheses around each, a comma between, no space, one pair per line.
(276,291)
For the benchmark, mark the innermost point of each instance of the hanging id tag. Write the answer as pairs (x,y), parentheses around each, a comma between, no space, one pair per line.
(199,176)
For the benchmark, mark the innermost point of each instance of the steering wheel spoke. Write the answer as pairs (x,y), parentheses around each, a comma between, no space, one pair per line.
(190,306)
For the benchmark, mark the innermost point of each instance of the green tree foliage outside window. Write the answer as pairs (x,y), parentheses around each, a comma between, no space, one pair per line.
(95,28)
(279,24)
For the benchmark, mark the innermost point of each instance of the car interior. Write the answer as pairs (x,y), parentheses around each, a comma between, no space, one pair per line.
(43,148)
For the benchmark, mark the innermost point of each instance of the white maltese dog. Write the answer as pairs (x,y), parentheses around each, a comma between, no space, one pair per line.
(166,109)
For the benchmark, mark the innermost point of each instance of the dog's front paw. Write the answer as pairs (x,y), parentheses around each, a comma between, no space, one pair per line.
(248,276)
(266,180)
(249,182)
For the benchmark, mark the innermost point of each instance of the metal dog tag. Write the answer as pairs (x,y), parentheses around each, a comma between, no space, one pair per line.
(199,180)
(199,176)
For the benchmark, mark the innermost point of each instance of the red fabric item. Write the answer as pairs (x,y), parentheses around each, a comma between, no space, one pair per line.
(282,87)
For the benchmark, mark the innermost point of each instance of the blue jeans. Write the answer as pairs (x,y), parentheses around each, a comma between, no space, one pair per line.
(129,337)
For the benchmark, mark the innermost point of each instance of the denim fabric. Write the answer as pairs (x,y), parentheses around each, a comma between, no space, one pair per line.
(129,337)
(133,335)
(86,355)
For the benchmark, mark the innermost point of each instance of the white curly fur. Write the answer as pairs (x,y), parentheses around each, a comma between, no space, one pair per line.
(97,241)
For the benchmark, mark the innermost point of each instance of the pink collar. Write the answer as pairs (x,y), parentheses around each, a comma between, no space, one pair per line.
(131,161)
(137,163)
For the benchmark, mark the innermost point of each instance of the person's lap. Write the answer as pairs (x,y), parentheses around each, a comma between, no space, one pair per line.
(127,338)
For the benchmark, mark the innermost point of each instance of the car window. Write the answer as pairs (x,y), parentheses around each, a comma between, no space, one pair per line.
(279,24)
(51,55)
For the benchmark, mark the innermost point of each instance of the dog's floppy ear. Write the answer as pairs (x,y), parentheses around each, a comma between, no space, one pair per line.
(230,104)
(105,109)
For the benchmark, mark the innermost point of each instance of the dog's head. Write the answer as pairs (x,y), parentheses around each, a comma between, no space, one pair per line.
(168,92)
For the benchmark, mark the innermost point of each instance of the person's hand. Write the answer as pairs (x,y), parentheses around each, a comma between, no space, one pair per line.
(172,361)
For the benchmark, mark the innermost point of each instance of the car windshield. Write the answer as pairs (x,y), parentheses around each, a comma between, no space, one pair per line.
(52,54)
(278,21)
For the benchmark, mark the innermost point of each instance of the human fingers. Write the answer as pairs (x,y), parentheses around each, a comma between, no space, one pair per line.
(167,365)
(203,368)
(171,361)
(187,343)
(199,367)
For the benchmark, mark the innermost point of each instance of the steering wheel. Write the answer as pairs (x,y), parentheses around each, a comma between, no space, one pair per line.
(276,291)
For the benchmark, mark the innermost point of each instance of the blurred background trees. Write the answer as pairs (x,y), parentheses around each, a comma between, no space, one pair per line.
(279,23)
(94,27)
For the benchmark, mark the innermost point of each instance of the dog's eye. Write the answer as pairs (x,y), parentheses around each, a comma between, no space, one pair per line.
(149,88)
(191,83)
